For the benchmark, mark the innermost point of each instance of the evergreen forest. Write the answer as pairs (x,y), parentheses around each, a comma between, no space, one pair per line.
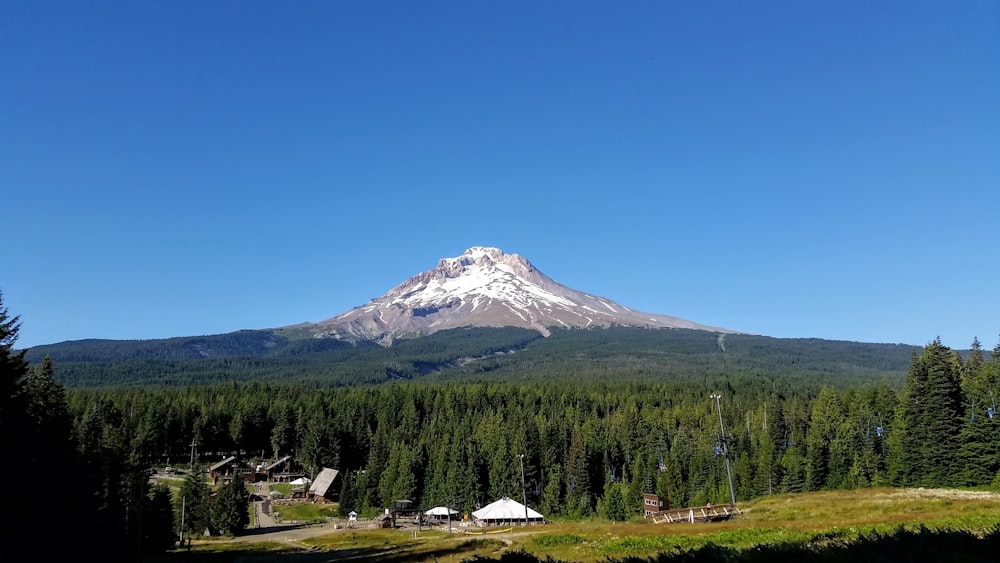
(473,354)
(596,417)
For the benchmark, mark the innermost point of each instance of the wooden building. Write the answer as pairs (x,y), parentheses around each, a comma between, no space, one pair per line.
(326,486)
(224,470)
(283,470)
(652,504)
(231,468)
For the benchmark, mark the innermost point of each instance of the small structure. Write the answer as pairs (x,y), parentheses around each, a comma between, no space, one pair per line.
(326,487)
(441,512)
(225,470)
(404,509)
(383,520)
(506,511)
(652,504)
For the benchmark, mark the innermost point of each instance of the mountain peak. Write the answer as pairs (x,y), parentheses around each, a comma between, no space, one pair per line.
(492,260)
(484,287)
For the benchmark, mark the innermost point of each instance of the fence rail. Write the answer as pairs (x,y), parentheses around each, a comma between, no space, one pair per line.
(692,515)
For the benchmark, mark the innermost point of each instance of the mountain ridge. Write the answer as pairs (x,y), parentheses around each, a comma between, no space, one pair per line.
(470,353)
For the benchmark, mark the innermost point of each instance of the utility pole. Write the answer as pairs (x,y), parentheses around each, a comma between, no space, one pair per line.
(524,492)
(447,509)
(192,454)
(725,447)
(183,504)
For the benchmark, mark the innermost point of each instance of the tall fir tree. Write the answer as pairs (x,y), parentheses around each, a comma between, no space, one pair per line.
(13,372)
(978,453)
(230,507)
(158,520)
(932,418)
(192,507)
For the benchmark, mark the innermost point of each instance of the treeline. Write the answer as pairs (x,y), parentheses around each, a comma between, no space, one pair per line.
(76,480)
(277,343)
(472,354)
(591,448)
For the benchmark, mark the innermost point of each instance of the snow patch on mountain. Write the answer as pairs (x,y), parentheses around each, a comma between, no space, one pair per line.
(484,287)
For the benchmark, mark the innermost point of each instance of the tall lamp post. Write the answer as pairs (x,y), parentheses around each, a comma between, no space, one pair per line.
(725,447)
(524,492)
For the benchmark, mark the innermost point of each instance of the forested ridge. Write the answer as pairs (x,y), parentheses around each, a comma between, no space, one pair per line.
(470,354)
(457,442)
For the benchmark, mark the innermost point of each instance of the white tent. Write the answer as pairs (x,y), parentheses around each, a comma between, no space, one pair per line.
(441,511)
(299,481)
(506,510)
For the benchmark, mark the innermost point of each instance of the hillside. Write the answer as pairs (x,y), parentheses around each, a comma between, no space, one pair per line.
(464,354)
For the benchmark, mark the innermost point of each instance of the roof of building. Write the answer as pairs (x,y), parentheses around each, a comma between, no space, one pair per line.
(222,463)
(321,486)
(277,463)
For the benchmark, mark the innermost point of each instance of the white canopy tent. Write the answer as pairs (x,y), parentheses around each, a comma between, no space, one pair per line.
(441,512)
(300,481)
(506,510)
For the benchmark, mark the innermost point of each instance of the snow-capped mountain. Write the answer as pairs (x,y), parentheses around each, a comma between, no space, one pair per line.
(484,287)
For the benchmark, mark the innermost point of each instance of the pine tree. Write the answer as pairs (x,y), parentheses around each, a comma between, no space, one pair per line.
(551,501)
(944,417)
(979,459)
(898,461)
(348,496)
(793,470)
(909,461)
(13,372)
(48,418)
(933,417)
(767,474)
(158,520)
(973,372)
(578,500)
(613,504)
(230,507)
(192,507)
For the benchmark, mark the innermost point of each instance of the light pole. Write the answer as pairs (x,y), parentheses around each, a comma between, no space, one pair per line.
(192,454)
(524,492)
(725,447)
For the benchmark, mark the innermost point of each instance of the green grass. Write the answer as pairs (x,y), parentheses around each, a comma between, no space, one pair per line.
(401,545)
(855,526)
(283,488)
(305,512)
(550,540)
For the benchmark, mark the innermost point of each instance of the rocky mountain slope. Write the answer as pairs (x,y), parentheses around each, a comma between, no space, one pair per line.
(487,288)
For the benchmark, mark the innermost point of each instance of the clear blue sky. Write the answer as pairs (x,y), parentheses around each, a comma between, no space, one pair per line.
(797,169)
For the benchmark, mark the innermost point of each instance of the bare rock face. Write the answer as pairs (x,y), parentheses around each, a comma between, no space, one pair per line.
(484,287)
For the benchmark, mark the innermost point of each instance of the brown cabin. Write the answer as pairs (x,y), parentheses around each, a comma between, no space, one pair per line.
(283,470)
(326,486)
(652,504)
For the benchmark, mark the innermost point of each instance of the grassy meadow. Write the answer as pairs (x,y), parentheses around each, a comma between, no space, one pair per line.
(861,525)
